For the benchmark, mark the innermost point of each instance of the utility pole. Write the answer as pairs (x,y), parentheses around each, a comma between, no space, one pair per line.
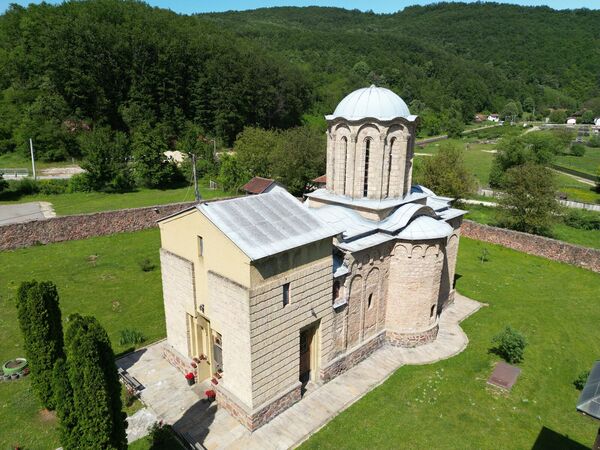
(32,157)
(196,190)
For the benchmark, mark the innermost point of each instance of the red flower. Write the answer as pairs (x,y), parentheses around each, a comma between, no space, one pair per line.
(210,393)
(189,376)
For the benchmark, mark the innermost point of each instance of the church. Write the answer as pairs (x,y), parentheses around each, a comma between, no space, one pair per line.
(268,296)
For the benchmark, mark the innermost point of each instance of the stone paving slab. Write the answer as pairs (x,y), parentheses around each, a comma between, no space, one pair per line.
(174,402)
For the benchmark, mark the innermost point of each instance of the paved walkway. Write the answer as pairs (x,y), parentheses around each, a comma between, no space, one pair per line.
(25,212)
(167,395)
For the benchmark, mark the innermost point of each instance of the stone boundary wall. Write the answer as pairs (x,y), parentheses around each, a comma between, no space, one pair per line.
(82,226)
(587,258)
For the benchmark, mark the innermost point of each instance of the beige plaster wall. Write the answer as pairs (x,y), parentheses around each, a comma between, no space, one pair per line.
(220,255)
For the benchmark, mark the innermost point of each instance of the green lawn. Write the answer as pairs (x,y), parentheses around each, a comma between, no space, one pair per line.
(114,289)
(478,161)
(16,160)
(588,163)
(587,238)
(448,405)
(87,202)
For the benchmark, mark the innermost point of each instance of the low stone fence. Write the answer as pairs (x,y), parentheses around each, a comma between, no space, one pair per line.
(585,257)
(68,228)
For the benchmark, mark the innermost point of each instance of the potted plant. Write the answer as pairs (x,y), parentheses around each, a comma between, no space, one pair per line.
(191,379)
(210,395)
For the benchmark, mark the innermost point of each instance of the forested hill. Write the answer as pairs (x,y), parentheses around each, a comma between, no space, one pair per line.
(121,64)
(480,53)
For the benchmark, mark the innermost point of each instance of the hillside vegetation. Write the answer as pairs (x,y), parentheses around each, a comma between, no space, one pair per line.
(74,67)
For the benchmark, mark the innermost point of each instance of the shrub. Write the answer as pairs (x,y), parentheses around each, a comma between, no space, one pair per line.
(146,265)
(510,345)
(131,337)
(594,141)
(26,186)
(581,219)
(40,322)
(53,187)
(79,183)
(581,379)
(577,150)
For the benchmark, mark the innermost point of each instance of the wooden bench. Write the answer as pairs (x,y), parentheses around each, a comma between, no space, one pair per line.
(130,381)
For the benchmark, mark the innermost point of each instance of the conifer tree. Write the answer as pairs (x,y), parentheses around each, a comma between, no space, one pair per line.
(40,322)
(90,408)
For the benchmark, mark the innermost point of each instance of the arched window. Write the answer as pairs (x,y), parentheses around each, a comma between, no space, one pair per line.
(366,179)
(343,162)
(389,168)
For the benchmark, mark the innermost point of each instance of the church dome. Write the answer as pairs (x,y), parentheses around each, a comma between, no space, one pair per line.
(372,102)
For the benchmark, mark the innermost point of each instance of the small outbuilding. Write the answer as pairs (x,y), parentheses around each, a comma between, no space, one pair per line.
(259,185)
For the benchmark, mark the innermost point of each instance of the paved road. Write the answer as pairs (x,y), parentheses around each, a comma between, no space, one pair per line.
(25,212)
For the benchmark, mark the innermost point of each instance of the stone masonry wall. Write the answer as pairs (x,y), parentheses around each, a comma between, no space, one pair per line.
(179,298)
(576,255)
(275,328)
(82,226)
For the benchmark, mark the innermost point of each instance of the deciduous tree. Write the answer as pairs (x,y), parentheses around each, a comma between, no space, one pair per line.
(529,202)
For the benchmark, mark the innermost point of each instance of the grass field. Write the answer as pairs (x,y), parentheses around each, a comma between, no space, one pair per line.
(449,406)
(17,161)
(555,305)
(478,160)
(114,289)
(588,163)
(87,202)
(587,238)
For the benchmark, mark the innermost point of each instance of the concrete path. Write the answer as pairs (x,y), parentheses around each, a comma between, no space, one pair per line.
(166,393)
(25,212)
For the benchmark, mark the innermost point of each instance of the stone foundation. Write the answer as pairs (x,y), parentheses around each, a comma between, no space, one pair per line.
(177,360)
(259,416)
(410,340)
(350,359)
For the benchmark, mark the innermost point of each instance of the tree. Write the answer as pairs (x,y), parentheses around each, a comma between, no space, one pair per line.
(445,172)
(536,148)
(255,148)
(511,111)
(40,322)
(106,160)
(299,159)
(529,204)
(529,105)
(231,174)
(151,167)
(558,116)
(587,117)
(89,406)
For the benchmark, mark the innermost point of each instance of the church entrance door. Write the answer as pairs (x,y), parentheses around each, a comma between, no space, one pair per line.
(308,357)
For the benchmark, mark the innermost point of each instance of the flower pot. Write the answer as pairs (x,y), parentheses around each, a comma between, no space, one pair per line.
(190,381)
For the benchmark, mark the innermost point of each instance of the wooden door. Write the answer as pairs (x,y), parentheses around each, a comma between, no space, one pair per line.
(306,337)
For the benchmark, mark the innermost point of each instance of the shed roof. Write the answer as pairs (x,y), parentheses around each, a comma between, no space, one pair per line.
(257,185)
(266,224)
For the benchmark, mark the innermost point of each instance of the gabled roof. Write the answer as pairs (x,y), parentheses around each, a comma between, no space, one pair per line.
(321,180)
(266,224)
(257,185)
(589,400)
